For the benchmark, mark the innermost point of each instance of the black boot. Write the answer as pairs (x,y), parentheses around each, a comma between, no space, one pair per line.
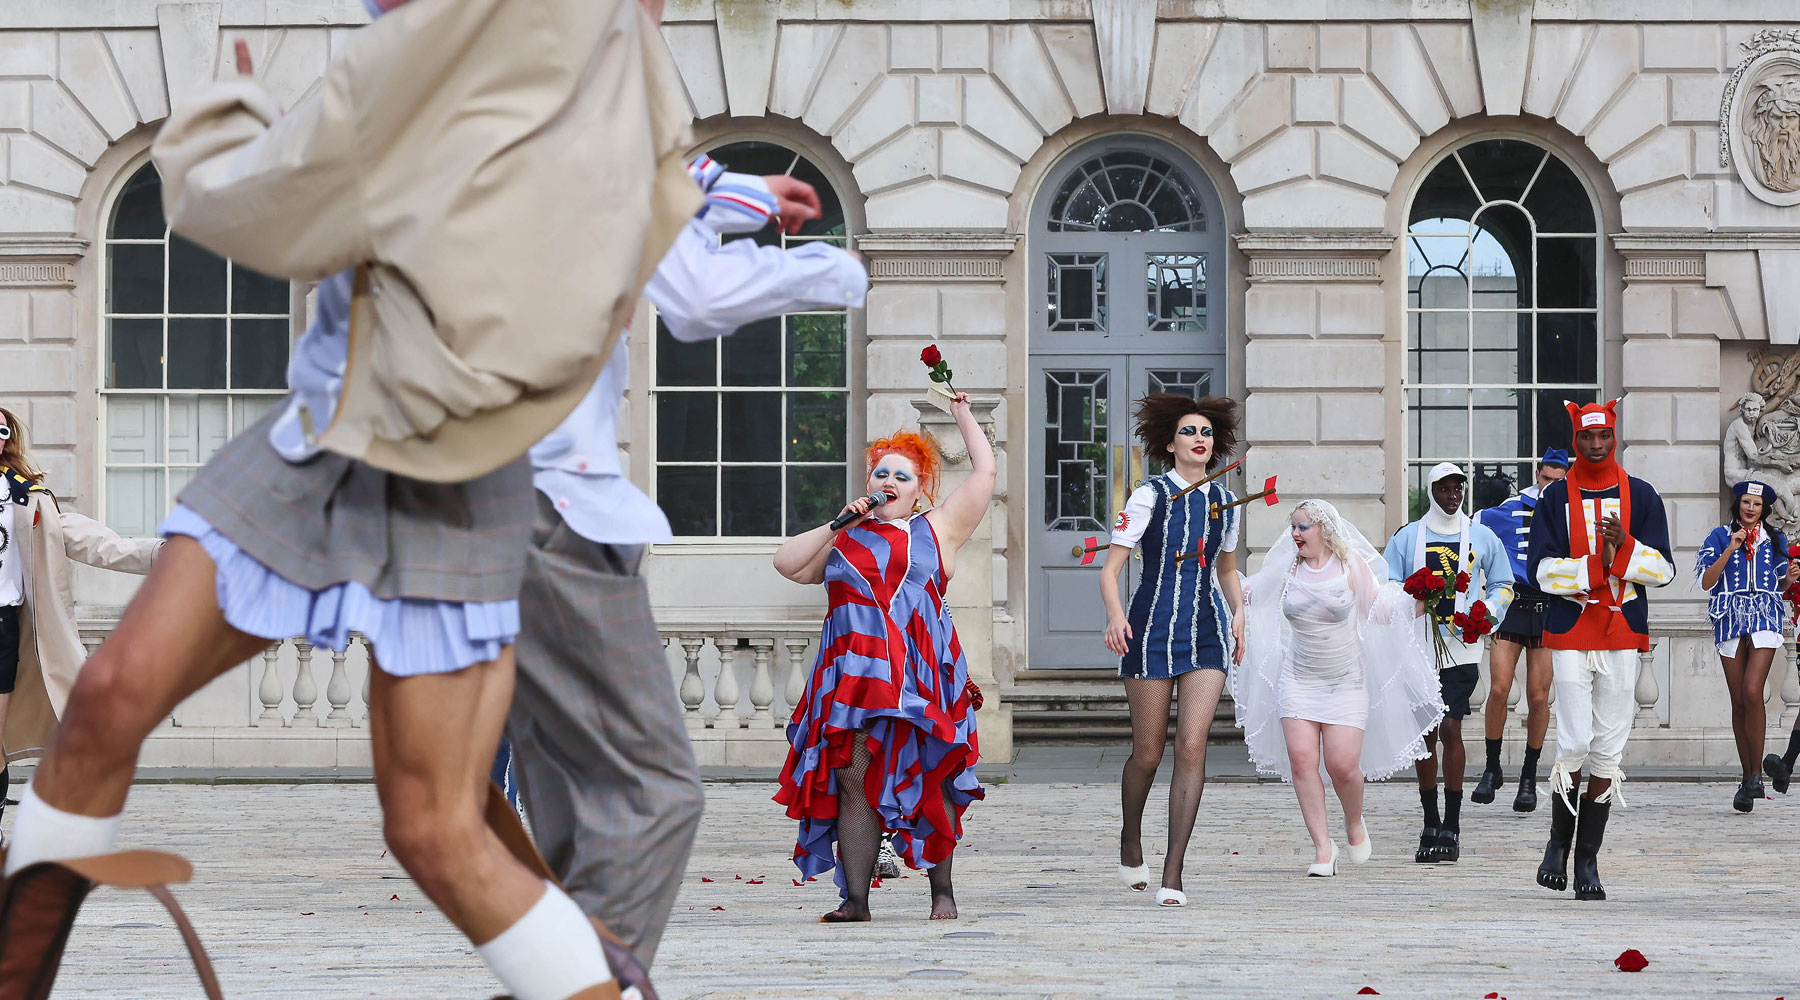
(1526,800)
(1744,800)
(1778,772)
(1491,778)
(1590,831)
(1427,852)
(1553,873)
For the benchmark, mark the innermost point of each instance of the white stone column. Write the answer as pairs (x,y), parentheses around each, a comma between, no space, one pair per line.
(1315,374)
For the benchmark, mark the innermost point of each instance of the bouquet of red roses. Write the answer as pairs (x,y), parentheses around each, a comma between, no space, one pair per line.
(1430,586)
(1478,622)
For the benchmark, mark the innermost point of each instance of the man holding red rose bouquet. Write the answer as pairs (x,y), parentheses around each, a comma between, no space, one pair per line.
(1437,559)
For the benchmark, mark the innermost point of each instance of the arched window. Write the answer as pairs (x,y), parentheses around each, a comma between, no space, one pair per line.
(1502,315)
(761,415)
(196,349)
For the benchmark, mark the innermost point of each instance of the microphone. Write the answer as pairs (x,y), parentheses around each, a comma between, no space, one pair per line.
(875,499)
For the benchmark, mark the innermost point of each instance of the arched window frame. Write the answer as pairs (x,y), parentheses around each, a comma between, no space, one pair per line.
(647,353)
(1486,487)
(242,404)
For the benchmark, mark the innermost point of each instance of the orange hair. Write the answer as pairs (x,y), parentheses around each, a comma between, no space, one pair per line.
(919,449)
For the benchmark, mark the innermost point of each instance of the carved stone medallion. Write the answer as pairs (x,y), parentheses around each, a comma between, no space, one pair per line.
(1759,116)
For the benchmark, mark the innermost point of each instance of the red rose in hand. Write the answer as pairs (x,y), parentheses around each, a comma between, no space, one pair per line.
(1462,582)
(1478,610)
(931,357)
(1462,621)
(1631,960)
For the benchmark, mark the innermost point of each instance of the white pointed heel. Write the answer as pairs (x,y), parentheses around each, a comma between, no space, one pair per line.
(1327,869)
(1171,897)
(1360,853)
(1137,879)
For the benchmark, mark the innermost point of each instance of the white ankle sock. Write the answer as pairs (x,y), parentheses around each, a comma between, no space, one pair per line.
(45,833)
(552,953)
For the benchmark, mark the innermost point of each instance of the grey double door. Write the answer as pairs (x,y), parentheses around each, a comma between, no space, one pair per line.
(1122,249)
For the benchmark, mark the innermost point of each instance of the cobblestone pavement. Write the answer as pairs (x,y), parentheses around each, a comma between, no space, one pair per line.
(296,899)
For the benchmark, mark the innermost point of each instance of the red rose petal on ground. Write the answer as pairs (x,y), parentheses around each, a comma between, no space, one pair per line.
(703,879)
(306,914)
(754,881)
(718,907)
(1490,996)
(394,897)
(740,878)
(1631,960)
(1367,991)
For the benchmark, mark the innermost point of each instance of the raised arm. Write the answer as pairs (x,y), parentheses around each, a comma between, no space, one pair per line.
(956,517)
(1709,562)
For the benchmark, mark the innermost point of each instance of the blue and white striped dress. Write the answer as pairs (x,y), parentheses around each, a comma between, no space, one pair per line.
(1179,621)
(1746,599)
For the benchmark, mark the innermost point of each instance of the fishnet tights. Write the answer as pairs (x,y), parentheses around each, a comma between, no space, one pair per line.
(1199,690)
(859,839)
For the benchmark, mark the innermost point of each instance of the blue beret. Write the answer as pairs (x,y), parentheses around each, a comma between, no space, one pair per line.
(1755,488)
(1555,456)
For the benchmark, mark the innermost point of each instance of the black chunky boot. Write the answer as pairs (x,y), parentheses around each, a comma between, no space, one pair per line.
(1427,852)
(1778,772)
(1553,873)
(1590,831)
(1491,778)
(1744,800)
(1526,800)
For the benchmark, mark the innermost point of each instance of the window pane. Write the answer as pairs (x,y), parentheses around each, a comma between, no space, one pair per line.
(816,427)
(1558,201)
(1177,292)
(257,293)
(134,278)
(1565,272)
(769,158)
(1502,346)
(196,278)
(134,354)
(134,501)
(753,354)
(259,353)
(1438,347)
(134,429)
(1436,269)
(196,353)
(1568,347)
(247,410)
(139,215)
(751,496)
(688,495)
(1502,422)
(687,426)
(679,363)
(1443,200)
(1500,259)
(1077,292)
(1418,498)
(198,426)
(1501,168)
(1077,471)
(815,349)
(1439,423)
(751,427)
(815,494)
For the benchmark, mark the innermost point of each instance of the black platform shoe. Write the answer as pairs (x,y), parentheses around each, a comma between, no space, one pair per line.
(1526,800)
(1448,847)
(1590,831)
(1553,873)
(1745,799)
(1778,772)
(1427,852)
(1491,779)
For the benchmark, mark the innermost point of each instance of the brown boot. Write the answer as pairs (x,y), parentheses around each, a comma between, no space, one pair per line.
(37,910)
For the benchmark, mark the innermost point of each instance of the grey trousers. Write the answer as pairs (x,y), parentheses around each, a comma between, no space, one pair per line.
(600,750)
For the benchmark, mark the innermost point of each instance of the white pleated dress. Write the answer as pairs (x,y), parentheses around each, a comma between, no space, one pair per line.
(1324,679)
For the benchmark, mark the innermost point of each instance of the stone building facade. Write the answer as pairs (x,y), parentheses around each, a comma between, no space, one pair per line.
(1399,232)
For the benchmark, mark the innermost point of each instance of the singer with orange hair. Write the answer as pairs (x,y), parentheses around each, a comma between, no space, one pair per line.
(884,738)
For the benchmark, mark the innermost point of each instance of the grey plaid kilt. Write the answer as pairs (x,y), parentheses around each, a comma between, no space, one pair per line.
(332,520)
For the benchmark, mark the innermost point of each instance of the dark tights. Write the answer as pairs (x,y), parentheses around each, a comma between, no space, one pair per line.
(859,842)
(1199,690)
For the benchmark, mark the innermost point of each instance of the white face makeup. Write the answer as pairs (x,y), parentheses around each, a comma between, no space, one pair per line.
(1305,531)
(1193,440)
(895,473)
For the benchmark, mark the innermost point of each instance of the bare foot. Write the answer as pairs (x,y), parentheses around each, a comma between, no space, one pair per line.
(849,913)
(943,909)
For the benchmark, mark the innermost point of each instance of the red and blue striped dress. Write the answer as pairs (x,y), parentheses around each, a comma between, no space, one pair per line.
(889,665)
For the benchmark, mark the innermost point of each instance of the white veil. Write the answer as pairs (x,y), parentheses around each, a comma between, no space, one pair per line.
(1404,700)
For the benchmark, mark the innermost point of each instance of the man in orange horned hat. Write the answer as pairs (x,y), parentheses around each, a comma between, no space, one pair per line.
(1598,539)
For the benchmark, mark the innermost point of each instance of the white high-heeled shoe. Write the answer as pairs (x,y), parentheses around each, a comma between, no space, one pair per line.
(1360,853)
(1171,897)
(1327,869)
(1136,879)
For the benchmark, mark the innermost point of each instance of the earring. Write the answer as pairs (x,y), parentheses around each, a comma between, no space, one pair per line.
(917,506)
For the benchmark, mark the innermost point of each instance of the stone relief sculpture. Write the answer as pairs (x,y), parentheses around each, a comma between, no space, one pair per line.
(1763,442)
(1759,116)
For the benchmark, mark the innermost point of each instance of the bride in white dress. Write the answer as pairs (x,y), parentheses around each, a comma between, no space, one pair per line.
(1340,658)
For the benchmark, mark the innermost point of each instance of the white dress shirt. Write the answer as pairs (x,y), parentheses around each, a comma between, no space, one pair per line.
(703,290)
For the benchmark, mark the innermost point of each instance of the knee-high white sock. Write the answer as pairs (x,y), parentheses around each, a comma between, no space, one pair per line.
(552,953)
(45,833)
